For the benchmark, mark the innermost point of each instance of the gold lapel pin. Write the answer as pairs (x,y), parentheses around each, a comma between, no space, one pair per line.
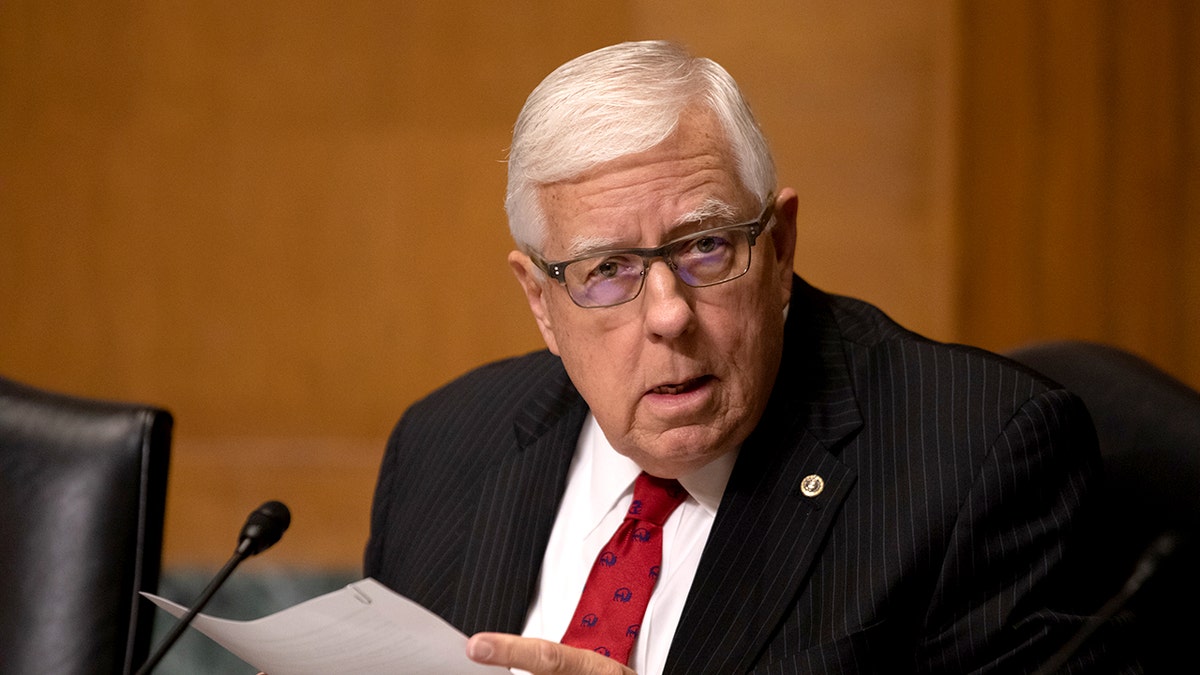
(812,485)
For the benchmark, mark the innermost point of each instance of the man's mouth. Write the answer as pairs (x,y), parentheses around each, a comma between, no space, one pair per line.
(681,387)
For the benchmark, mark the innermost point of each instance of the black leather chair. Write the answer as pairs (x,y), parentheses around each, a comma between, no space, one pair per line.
(1148,426)
(82,495)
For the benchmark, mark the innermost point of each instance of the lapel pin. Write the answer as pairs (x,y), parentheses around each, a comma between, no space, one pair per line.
(812,485)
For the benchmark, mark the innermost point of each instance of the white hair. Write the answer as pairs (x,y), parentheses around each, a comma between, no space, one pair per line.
(617,101)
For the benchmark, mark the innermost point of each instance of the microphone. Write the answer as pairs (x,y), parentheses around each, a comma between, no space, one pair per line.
(263,528)
(1147,564)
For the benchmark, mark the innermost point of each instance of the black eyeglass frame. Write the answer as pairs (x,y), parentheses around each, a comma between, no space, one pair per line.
(754,229)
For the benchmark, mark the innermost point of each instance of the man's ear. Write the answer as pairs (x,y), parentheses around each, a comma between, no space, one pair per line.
(534,282)
(783,238)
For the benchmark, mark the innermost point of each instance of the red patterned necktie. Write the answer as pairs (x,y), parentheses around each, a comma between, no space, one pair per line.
(618,588)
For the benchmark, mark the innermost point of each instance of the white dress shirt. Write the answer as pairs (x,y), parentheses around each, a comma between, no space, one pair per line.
(599,490)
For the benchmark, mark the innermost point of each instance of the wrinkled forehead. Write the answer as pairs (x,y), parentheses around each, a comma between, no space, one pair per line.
(687,181)
(644,217)
(711,212)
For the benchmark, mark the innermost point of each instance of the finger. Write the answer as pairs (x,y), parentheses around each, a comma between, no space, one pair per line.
(540,657)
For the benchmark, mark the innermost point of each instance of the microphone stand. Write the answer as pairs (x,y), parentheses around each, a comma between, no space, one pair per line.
(242,552)
(263,528)
(1146,566)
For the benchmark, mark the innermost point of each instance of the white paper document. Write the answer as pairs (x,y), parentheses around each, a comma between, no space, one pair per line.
(364,628)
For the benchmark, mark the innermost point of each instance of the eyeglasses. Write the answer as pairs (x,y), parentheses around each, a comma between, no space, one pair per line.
(708,258)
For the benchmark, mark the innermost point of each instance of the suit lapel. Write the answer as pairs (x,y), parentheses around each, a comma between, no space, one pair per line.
(768,531)
(517,509)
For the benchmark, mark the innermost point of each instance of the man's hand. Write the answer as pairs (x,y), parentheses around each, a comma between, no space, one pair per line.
(539,657)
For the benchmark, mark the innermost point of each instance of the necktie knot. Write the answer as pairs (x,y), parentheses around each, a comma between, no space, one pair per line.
(654,498)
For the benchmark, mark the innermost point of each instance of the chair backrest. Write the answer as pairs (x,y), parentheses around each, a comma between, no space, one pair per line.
(1148,427)
(82,497)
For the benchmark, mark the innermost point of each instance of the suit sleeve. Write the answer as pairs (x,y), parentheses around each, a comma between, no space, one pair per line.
(381,504)
(1002,603)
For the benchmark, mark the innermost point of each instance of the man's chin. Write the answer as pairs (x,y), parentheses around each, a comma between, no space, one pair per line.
(677,451)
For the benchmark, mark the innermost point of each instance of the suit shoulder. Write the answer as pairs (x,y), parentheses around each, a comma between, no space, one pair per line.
(871,331)
(494,390)
(967,399)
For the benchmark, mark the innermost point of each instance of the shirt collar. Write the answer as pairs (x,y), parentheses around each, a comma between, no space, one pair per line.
(612,474)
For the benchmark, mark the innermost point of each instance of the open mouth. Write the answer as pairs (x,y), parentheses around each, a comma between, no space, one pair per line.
(682,387)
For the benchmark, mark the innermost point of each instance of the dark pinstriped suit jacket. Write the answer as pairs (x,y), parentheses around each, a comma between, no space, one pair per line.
(953,479)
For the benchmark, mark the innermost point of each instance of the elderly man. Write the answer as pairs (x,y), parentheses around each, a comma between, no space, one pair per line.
(785,481)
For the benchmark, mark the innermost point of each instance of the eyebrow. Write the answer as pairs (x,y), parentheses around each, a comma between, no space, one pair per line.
(709,209)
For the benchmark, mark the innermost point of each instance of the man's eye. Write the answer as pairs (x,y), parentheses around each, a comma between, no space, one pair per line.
(607,269)
(706,245)
(613,268)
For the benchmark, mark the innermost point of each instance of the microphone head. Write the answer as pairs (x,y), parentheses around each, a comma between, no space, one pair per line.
(263,528)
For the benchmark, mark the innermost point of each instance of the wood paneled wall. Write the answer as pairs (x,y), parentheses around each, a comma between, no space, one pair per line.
(284,221)
(1079,197)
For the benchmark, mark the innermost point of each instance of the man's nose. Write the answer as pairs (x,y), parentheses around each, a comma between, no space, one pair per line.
(668,310)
